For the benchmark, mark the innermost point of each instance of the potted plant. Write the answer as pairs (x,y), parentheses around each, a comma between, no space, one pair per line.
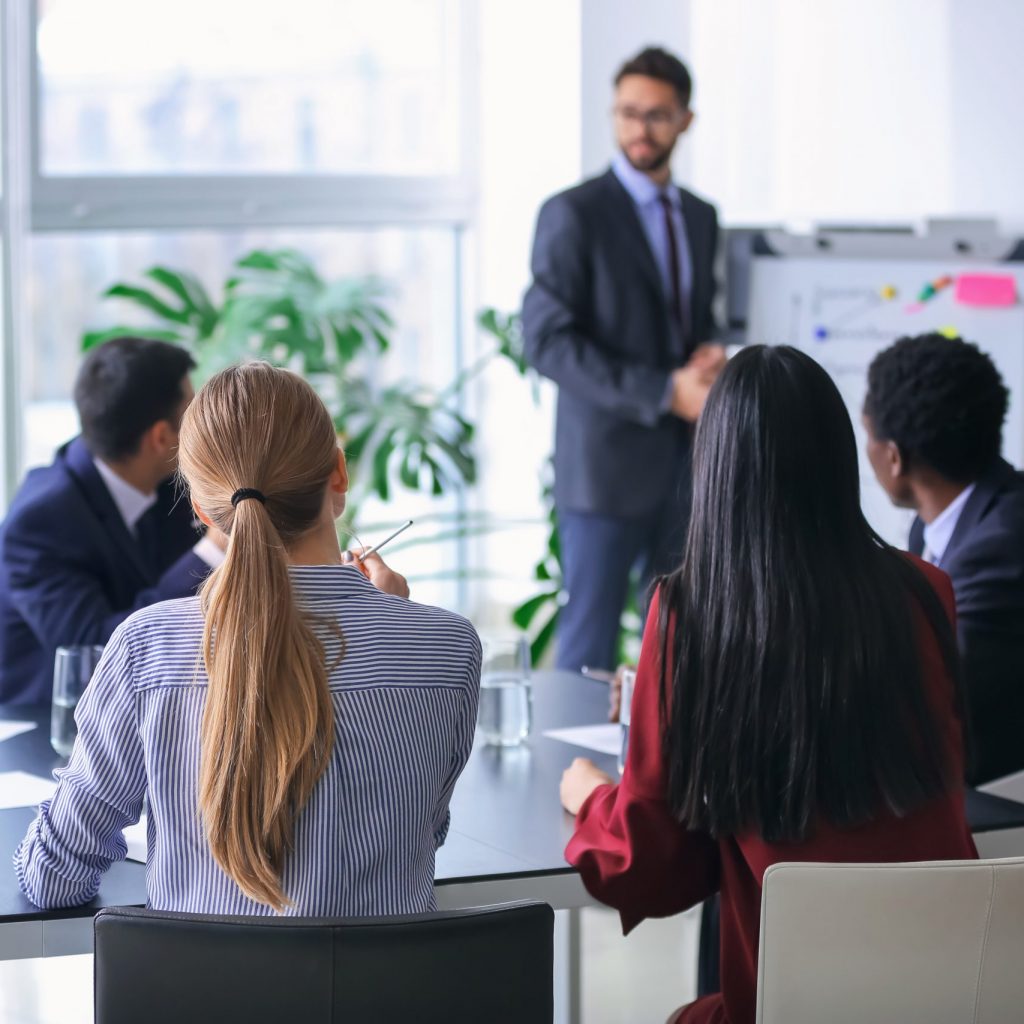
(276,306)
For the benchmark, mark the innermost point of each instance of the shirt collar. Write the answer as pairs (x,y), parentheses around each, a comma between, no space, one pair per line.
(640,188)
(939,532)
(130,502)
(312,583)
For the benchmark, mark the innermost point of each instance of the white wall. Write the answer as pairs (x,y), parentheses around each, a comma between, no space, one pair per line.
(823,110)
(529,148)
(984,102)
(859,110)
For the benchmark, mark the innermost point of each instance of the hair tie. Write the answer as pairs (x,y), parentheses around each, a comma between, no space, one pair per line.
(247,492)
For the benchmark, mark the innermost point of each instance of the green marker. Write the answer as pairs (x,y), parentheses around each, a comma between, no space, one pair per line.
(933,287)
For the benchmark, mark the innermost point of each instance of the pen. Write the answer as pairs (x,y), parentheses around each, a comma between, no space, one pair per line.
(377,547)
(597,673)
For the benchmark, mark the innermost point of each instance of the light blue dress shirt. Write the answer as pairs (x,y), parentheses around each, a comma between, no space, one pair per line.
(646,196)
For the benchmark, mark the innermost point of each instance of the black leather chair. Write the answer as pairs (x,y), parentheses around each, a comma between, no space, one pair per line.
(490,964)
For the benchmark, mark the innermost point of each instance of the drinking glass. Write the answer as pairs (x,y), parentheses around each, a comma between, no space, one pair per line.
(506,700)
(72,669)
(625,713)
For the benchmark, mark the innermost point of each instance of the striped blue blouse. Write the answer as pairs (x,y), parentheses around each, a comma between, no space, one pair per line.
(404,695)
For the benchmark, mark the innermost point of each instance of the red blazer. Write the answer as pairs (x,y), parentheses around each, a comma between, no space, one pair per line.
(633,855)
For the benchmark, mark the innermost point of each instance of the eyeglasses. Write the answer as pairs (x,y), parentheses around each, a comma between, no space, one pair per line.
(658,119)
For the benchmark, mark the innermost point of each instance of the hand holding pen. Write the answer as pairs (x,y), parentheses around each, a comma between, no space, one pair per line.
(372,566)
(614,681)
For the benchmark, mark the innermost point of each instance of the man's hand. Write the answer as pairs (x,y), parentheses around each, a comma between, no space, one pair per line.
(709,359)
(689,393)
(692,382)
(383,578)
(615,693)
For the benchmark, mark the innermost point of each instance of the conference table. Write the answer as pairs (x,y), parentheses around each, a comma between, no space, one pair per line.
(506,841)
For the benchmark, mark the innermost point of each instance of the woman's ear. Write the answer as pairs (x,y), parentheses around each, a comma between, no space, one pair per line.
(338,481)
(201,515)
(337,485)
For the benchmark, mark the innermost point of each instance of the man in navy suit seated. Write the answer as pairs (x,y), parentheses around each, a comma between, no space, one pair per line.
(934,415)
(103,531)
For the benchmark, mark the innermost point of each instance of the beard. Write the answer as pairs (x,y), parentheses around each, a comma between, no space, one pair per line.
(654,162)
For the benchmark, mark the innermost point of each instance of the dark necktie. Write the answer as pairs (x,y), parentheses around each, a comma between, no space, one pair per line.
(676,294)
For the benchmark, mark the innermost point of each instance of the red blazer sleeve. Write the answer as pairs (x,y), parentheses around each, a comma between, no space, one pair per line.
(629,849)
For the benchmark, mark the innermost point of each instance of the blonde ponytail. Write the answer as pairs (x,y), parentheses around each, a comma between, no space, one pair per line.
(268,725)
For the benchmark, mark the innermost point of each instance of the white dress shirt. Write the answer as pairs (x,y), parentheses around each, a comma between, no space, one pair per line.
(130,502)
(939,532)
(133,504)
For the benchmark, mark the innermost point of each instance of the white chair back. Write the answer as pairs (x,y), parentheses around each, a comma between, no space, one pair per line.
(924,943)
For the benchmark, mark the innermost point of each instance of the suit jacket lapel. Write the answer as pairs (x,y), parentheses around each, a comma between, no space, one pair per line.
(633,232)
(699,268)
(977,505)
(80,466)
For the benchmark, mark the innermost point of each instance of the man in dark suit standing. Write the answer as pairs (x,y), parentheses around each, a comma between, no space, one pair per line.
(102,531)
(934,417)
(617,316)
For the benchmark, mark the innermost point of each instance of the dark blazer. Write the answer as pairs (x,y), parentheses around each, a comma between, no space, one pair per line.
(985,560)
(596,321)
(70,571)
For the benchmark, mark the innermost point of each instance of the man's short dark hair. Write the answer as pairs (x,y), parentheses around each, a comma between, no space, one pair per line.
(655,62)
(123,388)
(943,403)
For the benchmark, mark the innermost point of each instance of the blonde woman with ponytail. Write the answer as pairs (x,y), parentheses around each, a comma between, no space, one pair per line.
(298,727)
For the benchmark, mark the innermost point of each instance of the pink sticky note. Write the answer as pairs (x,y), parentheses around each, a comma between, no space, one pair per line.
(986,290)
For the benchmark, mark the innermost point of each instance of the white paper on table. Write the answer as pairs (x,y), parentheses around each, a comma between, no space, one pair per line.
(8,730)
(19,789)
(135,837)
(604,738)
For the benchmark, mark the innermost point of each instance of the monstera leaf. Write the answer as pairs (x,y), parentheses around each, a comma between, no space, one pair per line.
(546,606)
(401,432)
(279,302)
(277,306)
(507,330)
(180,309)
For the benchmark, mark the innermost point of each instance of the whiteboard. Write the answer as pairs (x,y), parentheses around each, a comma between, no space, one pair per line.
(793,300)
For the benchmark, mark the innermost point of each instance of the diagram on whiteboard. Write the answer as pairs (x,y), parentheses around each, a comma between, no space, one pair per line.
(843,312)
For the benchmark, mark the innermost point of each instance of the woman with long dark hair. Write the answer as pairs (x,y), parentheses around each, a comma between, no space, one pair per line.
(796,696)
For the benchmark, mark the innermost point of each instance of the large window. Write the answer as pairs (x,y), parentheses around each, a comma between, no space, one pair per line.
(137,87)
(141,133)
(417,266)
